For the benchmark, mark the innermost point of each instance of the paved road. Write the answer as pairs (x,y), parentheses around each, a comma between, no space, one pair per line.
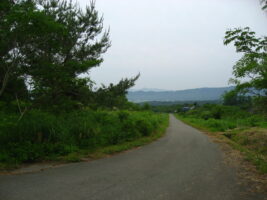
(183,165)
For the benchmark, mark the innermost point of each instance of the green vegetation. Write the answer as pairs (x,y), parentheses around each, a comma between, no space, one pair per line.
(242,117)
(48,110)
(45,136)
(177,106)
(246,131)
(45,47)
(222,118)
(250,72)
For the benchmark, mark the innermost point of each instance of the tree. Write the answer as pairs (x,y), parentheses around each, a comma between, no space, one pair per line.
(250,72)
(14,33)
(234,98)
(45,46)
(114,95)
(253,64)
(68,44)
(264,4)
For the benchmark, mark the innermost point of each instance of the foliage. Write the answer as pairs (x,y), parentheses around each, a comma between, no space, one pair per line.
(145,106)
(70,49)
(250,71)
(255,139)
(264,4)
(40,135)
(222,118)
(234,98)
(45,46)
(254,61)
(114,96)
(15,18)
(48,109)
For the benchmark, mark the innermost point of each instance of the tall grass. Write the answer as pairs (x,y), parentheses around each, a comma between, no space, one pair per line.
(222,118)
(39,135)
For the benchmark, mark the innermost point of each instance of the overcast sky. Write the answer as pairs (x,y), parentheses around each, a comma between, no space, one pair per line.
(174,44)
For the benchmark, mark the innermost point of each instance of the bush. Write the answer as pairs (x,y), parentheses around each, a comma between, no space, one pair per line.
(217,112)
(206,115)
(39,134)
(228,117)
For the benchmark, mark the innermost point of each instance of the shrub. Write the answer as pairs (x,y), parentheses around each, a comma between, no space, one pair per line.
(217,112)
(39,134)
(206,115)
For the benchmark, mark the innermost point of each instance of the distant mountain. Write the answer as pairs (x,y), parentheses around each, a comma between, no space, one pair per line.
(148,90)
(198,94)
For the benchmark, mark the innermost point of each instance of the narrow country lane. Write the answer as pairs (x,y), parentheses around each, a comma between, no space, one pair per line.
(183,165)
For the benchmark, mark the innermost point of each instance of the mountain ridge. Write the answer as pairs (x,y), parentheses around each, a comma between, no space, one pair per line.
(195,94)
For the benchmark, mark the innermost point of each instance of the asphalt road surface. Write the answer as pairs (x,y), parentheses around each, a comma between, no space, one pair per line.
(183,165)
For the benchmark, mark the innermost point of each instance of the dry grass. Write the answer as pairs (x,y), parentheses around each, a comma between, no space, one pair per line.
(237,158)
(254,139)
(247,171)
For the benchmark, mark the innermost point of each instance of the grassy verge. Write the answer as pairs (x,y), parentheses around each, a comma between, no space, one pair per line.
(251,141)
(73,136)
(113,149)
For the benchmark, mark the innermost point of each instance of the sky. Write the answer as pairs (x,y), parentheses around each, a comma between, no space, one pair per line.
(173,44)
